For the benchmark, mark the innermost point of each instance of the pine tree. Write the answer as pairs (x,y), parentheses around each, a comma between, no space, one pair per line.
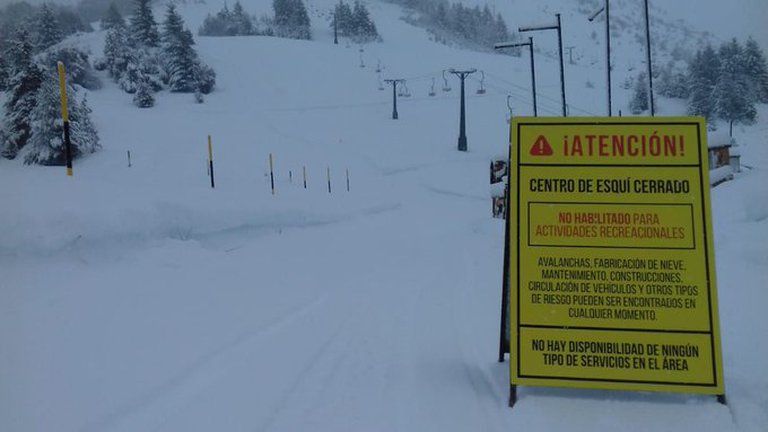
(112,18)
(46,28)
(25,78)
(639,102)
(241,22)
(342,13)
(3,74)
(83,132)
(733,91)
(79,69)
(143,97)
(292,19)
(205,78)
(756,69)
(143,25)
(703,72)
(363,28)
(116,52)
(180,57)
(141,68)
(46,144)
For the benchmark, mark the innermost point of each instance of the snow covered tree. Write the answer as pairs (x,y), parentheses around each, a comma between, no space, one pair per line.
(756,69)
(205,78)
(363,28)
(143,27)
(116,52)
(3,73)
(242,24)
(673,80)
(79,69)
(69,21)
(228,23)
(46,28)
(217,25)
(703,72)
(46,144)
(179,55)
(25,78)
(342,14)
(141,68)
(291,19)
(143,97)
(639,102)
(83,132)
(112,18)
(733,92)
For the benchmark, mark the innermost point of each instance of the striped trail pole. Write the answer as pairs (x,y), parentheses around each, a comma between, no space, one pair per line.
(65,117)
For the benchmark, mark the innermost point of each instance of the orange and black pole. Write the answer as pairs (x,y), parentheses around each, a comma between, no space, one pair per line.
(65,117)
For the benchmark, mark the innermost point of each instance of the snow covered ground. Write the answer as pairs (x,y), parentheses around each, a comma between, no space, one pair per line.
(137,299)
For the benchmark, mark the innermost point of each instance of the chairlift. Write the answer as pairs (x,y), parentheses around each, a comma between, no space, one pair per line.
(378,66)
(401,90)
(362,64)
(432,88)
(446,87)
(381,84)
(481,90)
(406,92)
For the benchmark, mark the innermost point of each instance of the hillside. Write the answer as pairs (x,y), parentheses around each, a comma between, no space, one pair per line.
(141,299)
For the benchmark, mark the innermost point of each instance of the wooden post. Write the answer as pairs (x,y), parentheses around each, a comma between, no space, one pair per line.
(65,117)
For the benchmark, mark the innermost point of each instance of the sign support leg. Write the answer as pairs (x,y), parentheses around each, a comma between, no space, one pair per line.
(512,395)
(503,326)
(721,399)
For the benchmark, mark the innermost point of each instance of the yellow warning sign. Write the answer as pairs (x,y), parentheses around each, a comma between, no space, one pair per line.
(611,259)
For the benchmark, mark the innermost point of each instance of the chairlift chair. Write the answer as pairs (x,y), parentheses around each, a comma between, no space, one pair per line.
(378,66)
(446,87)
(481,90)
(406,93)
(432,88)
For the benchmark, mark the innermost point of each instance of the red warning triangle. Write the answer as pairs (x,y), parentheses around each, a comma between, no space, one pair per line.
(541,147)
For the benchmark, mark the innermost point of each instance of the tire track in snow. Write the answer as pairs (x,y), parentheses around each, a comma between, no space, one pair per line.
(196,376)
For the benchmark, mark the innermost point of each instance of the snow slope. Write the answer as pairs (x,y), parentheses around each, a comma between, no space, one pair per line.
(140,299)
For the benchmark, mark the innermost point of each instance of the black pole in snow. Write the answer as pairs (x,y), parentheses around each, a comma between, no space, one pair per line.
(394,83)
(462,74)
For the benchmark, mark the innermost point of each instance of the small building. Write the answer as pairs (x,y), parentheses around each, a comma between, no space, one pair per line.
(719,144)
(720,164)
